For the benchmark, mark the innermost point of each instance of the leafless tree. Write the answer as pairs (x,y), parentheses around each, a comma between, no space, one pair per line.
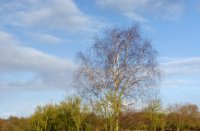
(175,111)
(119,68)
(152,109)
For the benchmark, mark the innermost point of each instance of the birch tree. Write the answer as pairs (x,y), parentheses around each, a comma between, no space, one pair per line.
(119,68)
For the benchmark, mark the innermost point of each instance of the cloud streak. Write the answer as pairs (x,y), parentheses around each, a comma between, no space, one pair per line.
(49,14)
(182,72)
(183,66)
(139,10)
(46,38)
(44,70)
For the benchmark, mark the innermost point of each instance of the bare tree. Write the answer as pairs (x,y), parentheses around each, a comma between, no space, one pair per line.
(190,114)
(152,109)
(175,114)
(119,68)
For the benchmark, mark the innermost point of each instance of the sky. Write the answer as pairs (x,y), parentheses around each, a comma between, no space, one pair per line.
(39,40)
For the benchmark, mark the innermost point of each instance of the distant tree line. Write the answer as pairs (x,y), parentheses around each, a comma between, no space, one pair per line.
(73,115)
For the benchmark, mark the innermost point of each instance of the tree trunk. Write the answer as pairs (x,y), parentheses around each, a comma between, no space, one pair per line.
(177,129)
(78,128)
(116,125)
(154,126)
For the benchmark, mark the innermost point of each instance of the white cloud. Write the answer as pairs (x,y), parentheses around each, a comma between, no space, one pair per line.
(182,72)
(136,17)
(183,66)
(49,14)
(44,70)
(137,10)
(7,38)
(47,38)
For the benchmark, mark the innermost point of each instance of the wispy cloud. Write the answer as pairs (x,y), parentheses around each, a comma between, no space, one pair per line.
(182,66)
(138,10)
(182,72)
(136,17)
(180,80)
(43,70)
(46,38)
(49,14)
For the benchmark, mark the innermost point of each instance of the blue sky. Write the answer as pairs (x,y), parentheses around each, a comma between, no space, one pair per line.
(39,40)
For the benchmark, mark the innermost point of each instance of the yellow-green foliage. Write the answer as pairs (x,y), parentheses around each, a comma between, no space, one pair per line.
(73,115)
(67,116)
